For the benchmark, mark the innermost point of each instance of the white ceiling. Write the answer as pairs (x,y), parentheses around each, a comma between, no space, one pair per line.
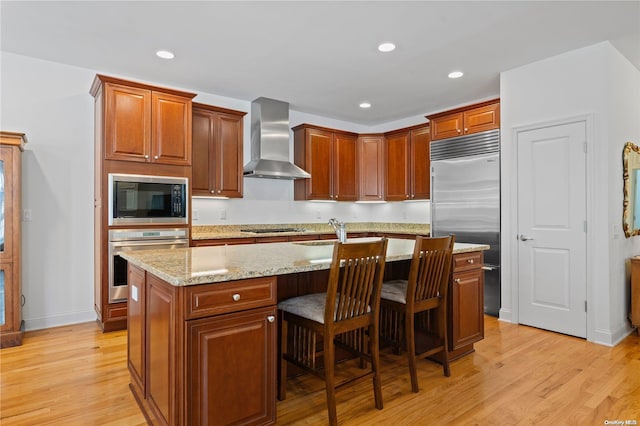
(321,57)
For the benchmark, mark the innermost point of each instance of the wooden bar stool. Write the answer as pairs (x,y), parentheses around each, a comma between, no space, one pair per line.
(423,291)
(346,315)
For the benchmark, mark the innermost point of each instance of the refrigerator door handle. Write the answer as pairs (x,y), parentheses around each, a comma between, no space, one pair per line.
(489,268)
(523,237)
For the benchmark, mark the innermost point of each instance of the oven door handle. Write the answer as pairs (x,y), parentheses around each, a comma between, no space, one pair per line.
(115,244)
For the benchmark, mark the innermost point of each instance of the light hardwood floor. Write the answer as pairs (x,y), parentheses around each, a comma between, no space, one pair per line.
(76,375)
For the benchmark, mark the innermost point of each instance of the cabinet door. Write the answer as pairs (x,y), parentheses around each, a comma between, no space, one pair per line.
(228,155)
(446,126)
(397,186)
(136,326)
(232,368)
(202,149)
(481,119)
(318,155)
(8,207)
(345,168)
(420,164)
(371,168)
(7,299)
(467,308)
(127,123)
(171,134)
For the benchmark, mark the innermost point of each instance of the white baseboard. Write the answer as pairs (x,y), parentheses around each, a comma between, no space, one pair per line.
(505,315)
(58,320)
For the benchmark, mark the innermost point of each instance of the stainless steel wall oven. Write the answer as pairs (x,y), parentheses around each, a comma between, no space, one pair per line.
(121,240)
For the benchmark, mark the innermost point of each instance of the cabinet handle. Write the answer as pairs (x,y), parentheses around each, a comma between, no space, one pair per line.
(23,300)
(271,318)
(236,297)
(457,281)
(470,261)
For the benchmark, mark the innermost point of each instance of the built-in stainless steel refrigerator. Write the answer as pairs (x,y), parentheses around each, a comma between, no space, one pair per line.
(465,199)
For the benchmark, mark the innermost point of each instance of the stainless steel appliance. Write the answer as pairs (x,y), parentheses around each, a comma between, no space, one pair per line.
(465,199)
(121,240)
(143,199)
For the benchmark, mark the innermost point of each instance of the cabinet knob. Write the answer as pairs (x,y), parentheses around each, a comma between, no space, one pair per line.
(459,131)
(213,191)
(236,297)
(155,157)
(466,130)
(146,156)
(470,261)
(271,318)
(218,191)
(457,281)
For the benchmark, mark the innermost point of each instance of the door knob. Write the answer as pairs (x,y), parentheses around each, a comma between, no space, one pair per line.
(525,237)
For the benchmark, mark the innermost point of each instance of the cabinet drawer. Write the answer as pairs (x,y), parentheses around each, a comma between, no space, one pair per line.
(214,299)
(466,261)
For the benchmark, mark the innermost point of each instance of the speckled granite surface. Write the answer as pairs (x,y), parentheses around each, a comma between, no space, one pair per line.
(187,266)
(209,232)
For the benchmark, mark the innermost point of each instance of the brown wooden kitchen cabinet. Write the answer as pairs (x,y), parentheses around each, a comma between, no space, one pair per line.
(144,123)
(466,303)
(407,164)
(227,373)
(466,120)
(217,151)
(331,158)
(11,300)
(371,167)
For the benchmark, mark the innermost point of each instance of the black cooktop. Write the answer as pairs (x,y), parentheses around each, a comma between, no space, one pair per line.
(269,230)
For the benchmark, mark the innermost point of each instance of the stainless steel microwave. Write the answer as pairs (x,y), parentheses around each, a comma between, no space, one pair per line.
(143,199)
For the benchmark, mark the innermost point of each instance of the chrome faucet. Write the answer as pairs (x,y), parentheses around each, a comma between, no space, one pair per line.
(340,229)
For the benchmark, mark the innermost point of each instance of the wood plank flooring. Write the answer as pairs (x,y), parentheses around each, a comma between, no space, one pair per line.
(76,375)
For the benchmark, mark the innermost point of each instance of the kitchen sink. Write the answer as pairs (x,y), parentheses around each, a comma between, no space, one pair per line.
(270,230)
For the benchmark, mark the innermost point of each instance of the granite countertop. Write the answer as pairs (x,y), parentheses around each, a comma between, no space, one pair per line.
(200,265)
(212,232)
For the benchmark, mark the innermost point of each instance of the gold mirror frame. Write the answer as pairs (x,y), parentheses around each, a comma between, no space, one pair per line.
(630,163)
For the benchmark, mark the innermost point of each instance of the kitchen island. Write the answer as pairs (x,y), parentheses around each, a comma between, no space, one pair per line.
(202,328)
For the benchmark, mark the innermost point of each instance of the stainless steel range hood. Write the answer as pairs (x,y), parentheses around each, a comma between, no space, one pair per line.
(270,142)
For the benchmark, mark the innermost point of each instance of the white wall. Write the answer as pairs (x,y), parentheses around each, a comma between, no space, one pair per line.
(597,82)
(50,102)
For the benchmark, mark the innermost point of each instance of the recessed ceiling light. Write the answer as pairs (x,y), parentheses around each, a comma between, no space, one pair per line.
(456,74)
(386,47)
(165,54)
(365,105)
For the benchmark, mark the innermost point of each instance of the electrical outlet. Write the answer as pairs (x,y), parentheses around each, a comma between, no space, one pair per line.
(27,215)
(223,214)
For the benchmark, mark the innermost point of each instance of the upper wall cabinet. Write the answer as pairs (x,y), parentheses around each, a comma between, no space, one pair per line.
(144,123)
(217,151)
(371,167)
(407,164)
(465,121)
(331,159)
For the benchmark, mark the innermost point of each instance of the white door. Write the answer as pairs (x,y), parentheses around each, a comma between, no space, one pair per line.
(552,228)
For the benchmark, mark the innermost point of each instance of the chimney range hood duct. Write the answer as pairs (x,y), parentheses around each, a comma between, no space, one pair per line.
(270,142)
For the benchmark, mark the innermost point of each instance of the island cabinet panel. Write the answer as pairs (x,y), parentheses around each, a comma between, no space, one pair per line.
(217,151)
(161,340)
(407,164)
(135,327)
(331,158)
(465,120)
(466,302)
(203,354)
(231,363)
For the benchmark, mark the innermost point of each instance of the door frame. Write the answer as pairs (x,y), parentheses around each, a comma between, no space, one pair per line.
(509,279)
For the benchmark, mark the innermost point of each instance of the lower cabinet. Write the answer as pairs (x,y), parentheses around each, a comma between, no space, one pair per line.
(466,300)
(203,354)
